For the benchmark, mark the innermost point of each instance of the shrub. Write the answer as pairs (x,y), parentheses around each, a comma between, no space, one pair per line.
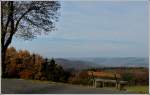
(26,74)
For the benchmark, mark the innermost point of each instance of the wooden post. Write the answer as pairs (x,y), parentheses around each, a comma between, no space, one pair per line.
(117,82)
(116,85)
(95,83)
(103,84)
(119,85)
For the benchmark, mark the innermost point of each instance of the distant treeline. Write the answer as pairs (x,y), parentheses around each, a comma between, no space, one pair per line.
(114,68)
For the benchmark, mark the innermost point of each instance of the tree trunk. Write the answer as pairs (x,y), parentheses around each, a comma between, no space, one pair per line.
(6,42)
(3,56)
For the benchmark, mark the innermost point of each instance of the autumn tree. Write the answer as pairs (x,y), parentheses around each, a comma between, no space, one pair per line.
(55,72)
(51,69)
(11,66)
(26,65)
(23,64)
(26,19)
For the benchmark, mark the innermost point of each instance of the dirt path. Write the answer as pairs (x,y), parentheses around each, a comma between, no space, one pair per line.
(20,86)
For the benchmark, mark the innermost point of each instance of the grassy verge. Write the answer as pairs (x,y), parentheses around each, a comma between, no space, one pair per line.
(138,89)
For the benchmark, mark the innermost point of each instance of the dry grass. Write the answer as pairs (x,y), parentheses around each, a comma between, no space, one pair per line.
(138,89)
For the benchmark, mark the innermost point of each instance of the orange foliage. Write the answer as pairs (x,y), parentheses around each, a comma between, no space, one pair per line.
(26,74)
(23,64)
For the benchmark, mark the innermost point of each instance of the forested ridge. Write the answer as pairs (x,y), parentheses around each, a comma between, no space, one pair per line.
(23,64)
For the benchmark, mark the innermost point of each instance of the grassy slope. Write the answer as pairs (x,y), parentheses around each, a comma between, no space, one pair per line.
(139,89)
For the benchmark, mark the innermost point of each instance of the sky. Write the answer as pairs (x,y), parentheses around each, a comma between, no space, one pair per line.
(95,29)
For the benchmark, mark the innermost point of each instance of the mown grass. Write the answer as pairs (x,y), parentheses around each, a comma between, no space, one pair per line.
(138,89)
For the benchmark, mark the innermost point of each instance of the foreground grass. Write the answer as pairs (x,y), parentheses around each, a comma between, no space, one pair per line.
(132,89)
(138,89)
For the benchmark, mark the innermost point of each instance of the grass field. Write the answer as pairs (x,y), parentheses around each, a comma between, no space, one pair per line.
(21,86)
(139,89)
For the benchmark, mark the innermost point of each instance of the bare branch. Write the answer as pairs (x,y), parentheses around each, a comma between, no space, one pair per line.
(18,21)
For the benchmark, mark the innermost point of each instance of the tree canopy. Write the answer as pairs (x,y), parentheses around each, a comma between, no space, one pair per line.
(23,64)
(26,20)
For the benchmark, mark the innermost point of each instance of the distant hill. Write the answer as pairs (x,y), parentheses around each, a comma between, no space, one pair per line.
(85,63)
(120,62)
(75,64)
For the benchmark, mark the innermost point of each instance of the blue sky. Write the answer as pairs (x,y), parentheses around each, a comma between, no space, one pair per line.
(95,29)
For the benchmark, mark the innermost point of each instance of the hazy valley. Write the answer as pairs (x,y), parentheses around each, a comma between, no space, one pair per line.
(85,63)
